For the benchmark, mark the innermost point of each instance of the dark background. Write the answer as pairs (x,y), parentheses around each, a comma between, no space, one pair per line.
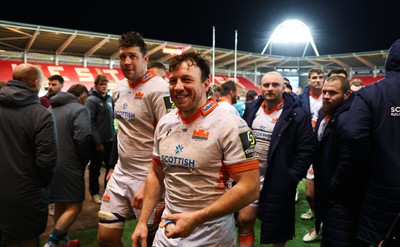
(336,26)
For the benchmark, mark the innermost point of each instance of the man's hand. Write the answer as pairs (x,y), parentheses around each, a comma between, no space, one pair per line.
(110,172)
(139,236)
(137,200)
(100,147)
(185,223)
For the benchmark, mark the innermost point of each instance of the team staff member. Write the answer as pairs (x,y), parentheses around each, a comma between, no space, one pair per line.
(286,146)
(56,83)
(141,99)
(337,194)
(28,147)
(101,107)
(67,188)
(374,134)
(197,147)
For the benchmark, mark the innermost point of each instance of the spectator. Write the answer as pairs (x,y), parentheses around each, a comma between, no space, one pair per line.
(215,91)
(101,107)
(311,102)
(202,144)
(251,95)
(298,91)
(338,71)
(356,85)
(141,99)
(374,136)
(336,186)
(158,68)
(28,147)
(56,83)
(229,95)
(2,83)
(67,188)
(284,141)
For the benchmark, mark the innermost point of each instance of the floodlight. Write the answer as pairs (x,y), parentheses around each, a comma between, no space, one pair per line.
(291,31)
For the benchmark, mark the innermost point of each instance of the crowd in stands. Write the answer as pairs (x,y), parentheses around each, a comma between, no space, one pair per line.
(194,163)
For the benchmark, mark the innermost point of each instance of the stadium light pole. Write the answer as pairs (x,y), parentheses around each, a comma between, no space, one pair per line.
(236,41)
(292,31)
(213,57)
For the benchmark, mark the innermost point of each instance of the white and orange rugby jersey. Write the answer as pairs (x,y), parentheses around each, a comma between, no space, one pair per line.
(263,126)
(199,153)
(138,108)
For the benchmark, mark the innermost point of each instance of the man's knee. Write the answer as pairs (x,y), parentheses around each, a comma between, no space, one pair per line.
(111,220)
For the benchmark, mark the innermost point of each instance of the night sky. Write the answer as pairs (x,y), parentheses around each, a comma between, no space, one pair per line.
(336,26)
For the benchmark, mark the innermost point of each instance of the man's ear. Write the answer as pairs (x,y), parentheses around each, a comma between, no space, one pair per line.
(207,84)
(82,98)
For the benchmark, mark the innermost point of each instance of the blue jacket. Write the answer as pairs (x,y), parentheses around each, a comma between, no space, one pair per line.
(337,186)
(290,154)
(304,100)
(373,131)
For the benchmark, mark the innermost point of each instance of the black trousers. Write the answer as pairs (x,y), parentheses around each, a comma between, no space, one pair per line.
(96,162)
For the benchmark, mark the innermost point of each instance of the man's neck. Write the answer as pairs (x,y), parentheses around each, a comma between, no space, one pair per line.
(315,91)
(226,99)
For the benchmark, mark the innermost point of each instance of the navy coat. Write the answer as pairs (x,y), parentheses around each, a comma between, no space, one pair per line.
(337,191)
(374,134)
(290,154)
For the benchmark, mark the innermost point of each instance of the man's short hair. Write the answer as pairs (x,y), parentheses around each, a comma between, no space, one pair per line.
(100,78)
(132,39)
(227,87)
(250,95)
(337,71)
(155,64)
(316,71)
(78,90)
(193,59)
(56,77)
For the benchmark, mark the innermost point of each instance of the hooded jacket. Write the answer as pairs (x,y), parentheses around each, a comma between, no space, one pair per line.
(73,130)
(373,131)
(28,148)
(101,116)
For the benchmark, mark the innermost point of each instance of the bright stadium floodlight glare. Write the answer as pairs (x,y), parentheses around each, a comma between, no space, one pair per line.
(291,31)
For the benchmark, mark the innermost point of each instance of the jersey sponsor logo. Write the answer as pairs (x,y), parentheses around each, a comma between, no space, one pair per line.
(248,144)
(147,76)
(200,135)
(395,111)
(178,162)
(169,104)
(127,116)
(208,106)
(260,135)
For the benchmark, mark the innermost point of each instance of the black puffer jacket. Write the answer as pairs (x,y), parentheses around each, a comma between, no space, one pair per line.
(28,149)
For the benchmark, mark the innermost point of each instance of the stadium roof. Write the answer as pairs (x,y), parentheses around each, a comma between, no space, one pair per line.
(26,41)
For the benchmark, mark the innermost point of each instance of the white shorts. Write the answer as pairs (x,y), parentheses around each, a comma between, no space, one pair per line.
(118,196)
(221,232)
(310,173)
